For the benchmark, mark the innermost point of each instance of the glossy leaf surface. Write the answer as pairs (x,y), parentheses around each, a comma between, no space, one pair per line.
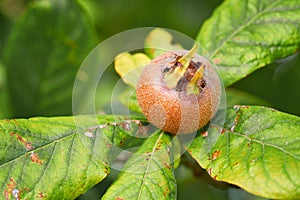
(257,149)
(243,36)
(61,157)
(148,174)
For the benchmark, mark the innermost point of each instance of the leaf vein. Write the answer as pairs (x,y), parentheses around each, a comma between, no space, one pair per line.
(248,22)
(148,166)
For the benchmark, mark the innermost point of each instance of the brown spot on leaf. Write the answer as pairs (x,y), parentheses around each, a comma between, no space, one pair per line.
(249,144)
(22,140)
(236,120)
(216,154)
(16,122)
(204,134)
(167,166)
(223,131)
(122,141)
(9,188)
(126,125)
(166,191)
(41,195)
(119,198)
(35,158)
(209,171)
(106,170)
(215,177)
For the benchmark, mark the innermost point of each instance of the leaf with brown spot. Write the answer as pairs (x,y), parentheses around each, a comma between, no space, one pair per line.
(216,154)
(257,149)
(61,154)
(35,158)
(149,173)
(243,36)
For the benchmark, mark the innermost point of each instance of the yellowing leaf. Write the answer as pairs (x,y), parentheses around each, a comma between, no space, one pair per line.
(129,66)
(158,42)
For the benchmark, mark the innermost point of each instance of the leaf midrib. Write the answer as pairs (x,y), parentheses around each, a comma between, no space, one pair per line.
(148,166)
(250,20)
(40,147)
(263,144)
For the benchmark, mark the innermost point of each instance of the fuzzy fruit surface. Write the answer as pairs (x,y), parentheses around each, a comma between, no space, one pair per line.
(177,110)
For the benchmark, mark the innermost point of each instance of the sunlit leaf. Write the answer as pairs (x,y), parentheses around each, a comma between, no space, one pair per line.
(162,38)
(62,157)
(129,66)
(243,36)
(148,174)
(257,149)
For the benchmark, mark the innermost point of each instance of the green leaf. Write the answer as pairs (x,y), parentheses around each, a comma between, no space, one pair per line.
(238,97)
(42,55)
(243,36)
(159,38)
(148,174)
(257,149)
(2,77)
(128,98)
(4,103)
(61,157)
(130,66)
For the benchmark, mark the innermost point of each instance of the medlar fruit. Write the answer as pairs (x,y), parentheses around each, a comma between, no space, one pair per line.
(179,91)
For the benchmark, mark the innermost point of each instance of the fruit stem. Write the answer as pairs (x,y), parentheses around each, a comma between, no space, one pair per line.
(192,87)
(173,77)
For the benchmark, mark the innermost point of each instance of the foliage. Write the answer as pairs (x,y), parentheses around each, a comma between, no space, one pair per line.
(256,149)
(231,30)
(47,60)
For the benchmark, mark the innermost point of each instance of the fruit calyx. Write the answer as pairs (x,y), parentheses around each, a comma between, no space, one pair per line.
(185,74)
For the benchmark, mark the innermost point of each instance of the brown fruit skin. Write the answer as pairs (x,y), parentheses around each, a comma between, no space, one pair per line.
(173,111)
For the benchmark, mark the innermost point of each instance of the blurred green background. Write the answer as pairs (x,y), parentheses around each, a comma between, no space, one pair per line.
(42,47)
